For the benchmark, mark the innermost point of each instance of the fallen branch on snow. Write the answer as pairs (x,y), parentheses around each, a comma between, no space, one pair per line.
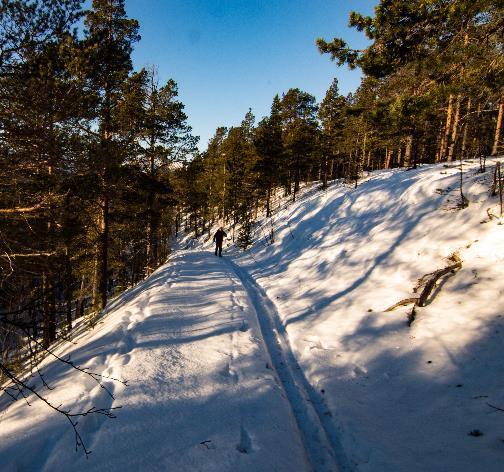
(496,408)
(404,302)
(428,282)
(432,278)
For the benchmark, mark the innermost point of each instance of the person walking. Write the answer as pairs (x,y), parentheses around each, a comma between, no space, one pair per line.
(218,239)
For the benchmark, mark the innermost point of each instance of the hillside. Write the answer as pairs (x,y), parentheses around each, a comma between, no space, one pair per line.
(285,358)
(402,398)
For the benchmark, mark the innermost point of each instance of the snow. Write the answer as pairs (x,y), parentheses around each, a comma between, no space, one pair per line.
(284,358)
(200,394)
(403,398)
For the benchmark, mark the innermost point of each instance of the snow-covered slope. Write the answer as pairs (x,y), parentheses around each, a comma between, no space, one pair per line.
(284,358)
(402,398)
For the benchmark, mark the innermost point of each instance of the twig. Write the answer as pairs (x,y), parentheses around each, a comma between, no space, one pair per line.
(496,408)
(21,386)
(404,302)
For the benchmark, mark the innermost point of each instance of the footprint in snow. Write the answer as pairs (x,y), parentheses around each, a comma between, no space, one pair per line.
(245,444)
(244,326)
(230,372)
(358,371)
(314,342)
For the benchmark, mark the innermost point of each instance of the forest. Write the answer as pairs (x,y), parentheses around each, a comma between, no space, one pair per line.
(100,170)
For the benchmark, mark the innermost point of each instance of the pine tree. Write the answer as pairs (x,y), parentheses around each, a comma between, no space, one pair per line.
(108,47)
(299,125)
(244,239)
(332,115)
(215,174)
(168,140)
(438,54)
(38,98)
(240,160)
(270,164)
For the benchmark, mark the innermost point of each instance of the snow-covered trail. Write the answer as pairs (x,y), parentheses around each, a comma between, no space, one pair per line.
(318,432)
(202,393)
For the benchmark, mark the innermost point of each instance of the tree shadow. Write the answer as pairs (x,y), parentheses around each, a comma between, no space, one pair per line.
(407,411)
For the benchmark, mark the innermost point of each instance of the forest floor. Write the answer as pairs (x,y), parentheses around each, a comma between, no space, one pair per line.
(284,357)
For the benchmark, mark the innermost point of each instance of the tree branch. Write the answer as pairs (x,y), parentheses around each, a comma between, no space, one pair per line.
(6,211)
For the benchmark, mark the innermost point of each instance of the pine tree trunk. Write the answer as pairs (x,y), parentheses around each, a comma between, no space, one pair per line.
(388,154)
(195,222)
(32,315)
(49,329)
(104,247)
(495,147)
(68,292)
(437,158)
(325,172)
(407,151)
(268,202)
(466,126)
(151,235)
(420,155)
(148,249)
(296,184)
(45,317)
(69,314)
(363,158)
(288,184)
(107,160)
(96,275)
(476,139)
(453,139)
(223,215)
(81,307)
(359,162)
(447,129)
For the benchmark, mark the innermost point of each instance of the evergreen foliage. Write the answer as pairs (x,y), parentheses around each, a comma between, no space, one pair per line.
(90,152)
(244,239)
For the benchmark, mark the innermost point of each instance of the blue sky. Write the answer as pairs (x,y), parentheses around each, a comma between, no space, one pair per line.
(229,55)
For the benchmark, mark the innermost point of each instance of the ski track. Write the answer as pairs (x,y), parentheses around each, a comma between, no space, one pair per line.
(317,432)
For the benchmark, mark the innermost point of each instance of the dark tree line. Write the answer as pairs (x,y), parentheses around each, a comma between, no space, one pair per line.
(432,91)
(88,152)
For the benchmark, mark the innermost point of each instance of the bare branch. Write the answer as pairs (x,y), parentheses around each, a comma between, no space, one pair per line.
(496,408)
(6,211)
(29,254)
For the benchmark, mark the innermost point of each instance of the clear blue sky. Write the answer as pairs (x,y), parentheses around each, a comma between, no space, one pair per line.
(229,55)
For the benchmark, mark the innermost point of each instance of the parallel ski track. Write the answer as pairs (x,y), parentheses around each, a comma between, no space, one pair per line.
(318,433)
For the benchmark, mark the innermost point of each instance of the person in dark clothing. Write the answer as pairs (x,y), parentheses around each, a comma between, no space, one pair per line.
(218,238)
